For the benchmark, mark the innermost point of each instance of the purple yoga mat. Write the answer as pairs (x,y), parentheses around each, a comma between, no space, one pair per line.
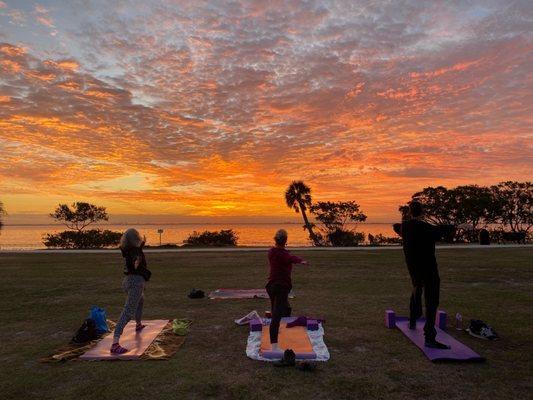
(457,352)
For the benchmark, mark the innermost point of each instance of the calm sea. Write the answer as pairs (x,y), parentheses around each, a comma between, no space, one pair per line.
(23,237)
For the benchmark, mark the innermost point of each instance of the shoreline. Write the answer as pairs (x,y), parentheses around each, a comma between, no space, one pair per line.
(259,248)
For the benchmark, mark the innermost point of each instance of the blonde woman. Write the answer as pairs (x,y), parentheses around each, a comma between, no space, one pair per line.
(137,274)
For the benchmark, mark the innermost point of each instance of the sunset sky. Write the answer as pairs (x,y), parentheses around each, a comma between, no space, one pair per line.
(211,108)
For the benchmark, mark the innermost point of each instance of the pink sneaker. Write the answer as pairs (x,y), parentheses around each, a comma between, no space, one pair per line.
(117,349)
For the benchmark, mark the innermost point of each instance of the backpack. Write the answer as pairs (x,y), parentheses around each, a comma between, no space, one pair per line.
(196,294)
(86,332)
(98,315)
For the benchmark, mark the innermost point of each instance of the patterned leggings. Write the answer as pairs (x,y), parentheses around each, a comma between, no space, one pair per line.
(134,286)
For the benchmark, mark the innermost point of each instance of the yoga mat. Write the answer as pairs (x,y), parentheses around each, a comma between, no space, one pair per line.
(307,344)
(135,342)
(457,352)
(225,293)
(288,338)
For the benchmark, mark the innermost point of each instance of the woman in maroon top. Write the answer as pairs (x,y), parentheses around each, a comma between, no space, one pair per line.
(279,283)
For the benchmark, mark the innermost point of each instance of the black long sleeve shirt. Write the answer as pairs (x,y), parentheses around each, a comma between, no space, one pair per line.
(131,254)
(419,239)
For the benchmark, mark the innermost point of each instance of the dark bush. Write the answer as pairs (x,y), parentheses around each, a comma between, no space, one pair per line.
(500,235)
(378,240)
(344,238)
(223,238)
(466,235)
(91,239)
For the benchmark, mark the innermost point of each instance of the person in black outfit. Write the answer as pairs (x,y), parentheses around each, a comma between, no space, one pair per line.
(419,239)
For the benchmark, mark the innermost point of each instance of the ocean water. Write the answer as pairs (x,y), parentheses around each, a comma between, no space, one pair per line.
(27,236)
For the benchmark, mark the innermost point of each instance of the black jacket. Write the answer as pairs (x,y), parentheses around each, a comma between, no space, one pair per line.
(131,254)
(419,239)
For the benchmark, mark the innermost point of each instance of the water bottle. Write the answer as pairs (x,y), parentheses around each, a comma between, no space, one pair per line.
(458,322)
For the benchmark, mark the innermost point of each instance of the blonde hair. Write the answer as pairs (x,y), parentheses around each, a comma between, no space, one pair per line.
(131,238)
(281,237)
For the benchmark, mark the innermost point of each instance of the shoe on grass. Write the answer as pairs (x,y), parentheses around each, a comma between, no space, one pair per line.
(288,360)
(481,330)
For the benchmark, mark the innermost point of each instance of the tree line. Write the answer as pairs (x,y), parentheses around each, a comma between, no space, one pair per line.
(80,215)
(505,209)
(500,209)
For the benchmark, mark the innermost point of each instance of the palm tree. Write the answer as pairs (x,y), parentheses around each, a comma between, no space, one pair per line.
(298,197)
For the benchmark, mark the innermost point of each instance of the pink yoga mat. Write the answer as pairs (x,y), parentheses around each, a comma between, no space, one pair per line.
(457,352)
(135,342)
(225,293)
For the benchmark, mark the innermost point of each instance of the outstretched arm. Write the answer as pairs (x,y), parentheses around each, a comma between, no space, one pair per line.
(297,260)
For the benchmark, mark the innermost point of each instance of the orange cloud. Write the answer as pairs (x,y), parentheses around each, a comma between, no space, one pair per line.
(463,66)
(69,65)
(11,50)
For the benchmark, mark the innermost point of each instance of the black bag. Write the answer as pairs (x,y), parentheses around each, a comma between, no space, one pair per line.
(145,273)
(86,332)
(196,294)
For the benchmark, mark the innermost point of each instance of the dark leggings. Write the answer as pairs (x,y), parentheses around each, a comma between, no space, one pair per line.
(279,302)
(429,284)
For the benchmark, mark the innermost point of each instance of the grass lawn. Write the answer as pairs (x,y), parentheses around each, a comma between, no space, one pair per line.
(45,297)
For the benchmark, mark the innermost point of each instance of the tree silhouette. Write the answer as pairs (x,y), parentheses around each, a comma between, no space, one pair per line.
(77,219)
(473,204)
(333,217)
(440,206)
(513,205)
(298,197)
(80,216)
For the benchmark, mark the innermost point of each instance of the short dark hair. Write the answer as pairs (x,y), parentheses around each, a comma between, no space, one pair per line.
(415,208)
(281,237)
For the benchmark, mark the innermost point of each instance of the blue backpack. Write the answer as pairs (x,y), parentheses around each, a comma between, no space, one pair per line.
(99,317)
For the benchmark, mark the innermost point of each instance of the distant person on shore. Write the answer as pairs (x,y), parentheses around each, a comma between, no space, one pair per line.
(419,239)
(137,274)
(280,283)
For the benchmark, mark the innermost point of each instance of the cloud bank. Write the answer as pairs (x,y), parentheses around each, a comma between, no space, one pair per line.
(212,108)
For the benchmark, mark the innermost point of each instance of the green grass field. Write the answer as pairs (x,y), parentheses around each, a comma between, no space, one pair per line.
(45,297)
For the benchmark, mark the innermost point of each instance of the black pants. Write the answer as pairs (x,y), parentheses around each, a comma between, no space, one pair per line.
(280,307)
(425,280)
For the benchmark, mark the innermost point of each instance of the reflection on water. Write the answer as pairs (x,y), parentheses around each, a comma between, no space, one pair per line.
(30,237)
